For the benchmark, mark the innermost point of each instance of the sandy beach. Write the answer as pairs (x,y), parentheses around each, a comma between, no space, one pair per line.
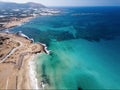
(15,22)
(16,52)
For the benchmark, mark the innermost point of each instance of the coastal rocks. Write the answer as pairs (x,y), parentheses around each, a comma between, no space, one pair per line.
(17,49)
(45,79)
(22,35)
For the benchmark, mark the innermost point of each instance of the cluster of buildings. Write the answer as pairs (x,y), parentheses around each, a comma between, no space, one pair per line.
(6,15)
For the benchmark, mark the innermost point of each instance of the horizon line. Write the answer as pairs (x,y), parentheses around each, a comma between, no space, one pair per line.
(63,5)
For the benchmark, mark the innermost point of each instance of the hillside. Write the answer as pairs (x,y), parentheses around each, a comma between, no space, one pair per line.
(11,5)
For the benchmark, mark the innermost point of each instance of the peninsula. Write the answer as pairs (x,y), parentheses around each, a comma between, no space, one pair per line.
(15,52)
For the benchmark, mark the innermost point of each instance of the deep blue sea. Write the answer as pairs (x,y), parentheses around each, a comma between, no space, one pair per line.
(84,44)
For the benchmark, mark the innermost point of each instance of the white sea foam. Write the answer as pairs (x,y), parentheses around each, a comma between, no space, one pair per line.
(32,74)
(32,40)
(47,51)
(45,48)
(32,69)
(23,35)
(7,31)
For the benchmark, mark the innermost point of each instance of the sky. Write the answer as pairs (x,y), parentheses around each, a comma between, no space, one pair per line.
(71,2)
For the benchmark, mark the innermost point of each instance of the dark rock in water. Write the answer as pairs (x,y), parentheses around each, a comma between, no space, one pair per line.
(45,78)
(79,88)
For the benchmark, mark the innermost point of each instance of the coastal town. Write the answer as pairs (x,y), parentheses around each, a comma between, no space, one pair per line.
(16,16)
(16,49)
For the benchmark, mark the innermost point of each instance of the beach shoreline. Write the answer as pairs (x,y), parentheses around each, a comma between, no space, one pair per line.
(28,68)
(15,22)
(32,72)
(20,61)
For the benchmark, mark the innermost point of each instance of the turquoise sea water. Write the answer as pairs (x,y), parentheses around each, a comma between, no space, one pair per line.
(85,48)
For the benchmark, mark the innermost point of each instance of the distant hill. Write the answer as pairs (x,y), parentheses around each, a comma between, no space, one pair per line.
(11,5)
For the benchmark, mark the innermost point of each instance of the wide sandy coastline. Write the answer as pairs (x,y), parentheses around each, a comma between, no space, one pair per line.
(30,74)
(17,71)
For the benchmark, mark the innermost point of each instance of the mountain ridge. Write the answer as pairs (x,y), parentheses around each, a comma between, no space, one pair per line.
(13,5)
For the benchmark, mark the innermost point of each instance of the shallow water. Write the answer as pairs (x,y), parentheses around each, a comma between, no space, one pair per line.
(85,64)
(85,48)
